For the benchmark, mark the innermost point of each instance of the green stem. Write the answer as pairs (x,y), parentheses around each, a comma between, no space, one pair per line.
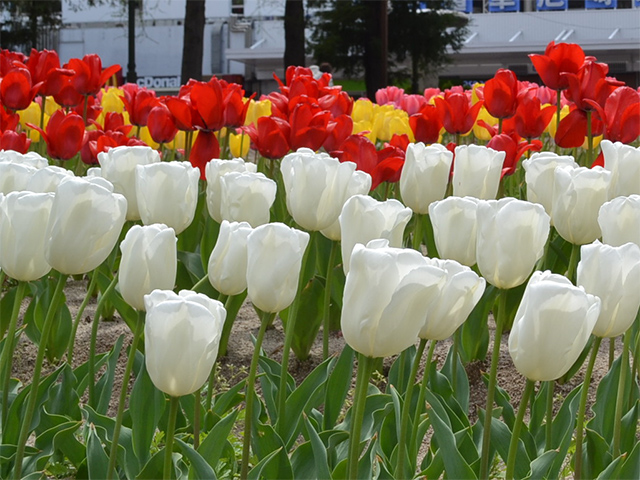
(94,336)
(573,262)
(430,238)
(422,394)
(113,454)
(495,357)
(196,418)
(266,320)
(577,470)
(288,340)
(6,360)
(499,126)
(548,428)
(200,283)
(589,141)
(187,144)
(35,382)
(326,313)
(634,366)
(620,403)
(612,351)
(417,232)
(365,367)
(76,322)
(455,347)
(558,110)
(174,404)
(515,435)
(406,407)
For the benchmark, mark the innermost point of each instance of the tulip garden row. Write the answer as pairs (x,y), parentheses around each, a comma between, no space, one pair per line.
(401,223)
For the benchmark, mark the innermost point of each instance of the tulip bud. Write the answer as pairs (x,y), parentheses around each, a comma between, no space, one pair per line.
(363,218)
(213,171)
(149,262)
(386,295)
(227,268)
(118,165)
(181,336)
(551,327)
(460,293)
(246,197)
(47,179)
(539,173)
(476,171)
(274,260)
(359,184)
(23,221)
(85,223)
(623,161)
(454,221)
(511,238)
(613,274)
(316,186)
(619,220)
(167,192)
(578,194)
(425,175)
(14,177)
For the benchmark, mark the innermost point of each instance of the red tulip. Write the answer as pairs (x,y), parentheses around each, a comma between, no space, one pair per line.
(426,124)
(64,135)
(337,102)
(89,77)
(68,96)
(16,89)
(203,150)
(92,110)
(514,150)
(308,125)
(501,94)
(10,140)
(138,101)
(161,125)
(622,115)
(270,136)
(183,112)
(456,112)
(45,67)
(530,119)
(558,59)
(235,106)
(590,87)
(8,120)
(10,60)
(207,99)
(359,150)
(389,167)
(573,128)
(338,130)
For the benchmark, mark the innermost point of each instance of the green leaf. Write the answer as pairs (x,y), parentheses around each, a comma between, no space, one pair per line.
(501,438)
(199,466)
(212,446)
(126,311)
(63,399)
(97,459)
(146,405)
(596,454)
(562,429)
(319,452)
(104,387)
(310,313)
(455,465)
(6,307)
(474,333)
(612,472)
(224,402)
(338,385)
(631,466)
(307,395)
(401,369)
(153,469)
(190,269)
(541,466)
(256,472)
(461,388)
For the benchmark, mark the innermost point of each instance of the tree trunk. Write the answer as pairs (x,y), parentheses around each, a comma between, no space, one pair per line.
(193,47)
(376,48)
(294,33)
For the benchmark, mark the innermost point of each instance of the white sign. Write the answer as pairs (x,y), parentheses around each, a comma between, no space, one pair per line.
(172,82)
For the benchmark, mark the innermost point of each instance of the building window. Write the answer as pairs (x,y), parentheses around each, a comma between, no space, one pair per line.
(237,7)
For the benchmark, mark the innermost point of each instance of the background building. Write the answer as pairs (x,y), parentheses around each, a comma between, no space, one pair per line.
(246,37)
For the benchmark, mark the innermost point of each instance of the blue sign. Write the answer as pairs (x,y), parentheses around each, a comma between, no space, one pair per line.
(545,5)
(591,4)
(636,3)
(466,5)
(504,5)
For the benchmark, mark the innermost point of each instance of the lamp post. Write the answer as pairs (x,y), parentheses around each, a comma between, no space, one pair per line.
(131,66)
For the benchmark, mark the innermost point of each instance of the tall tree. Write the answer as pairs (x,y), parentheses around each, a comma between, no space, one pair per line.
(193,46)
(26,21)
(294,47)
(349,35)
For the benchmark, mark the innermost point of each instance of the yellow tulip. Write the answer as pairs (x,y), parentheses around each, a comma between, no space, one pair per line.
(112,100)
(551,128)
(474,93)
(32,115)
(481,133)
(256,110)
(239,145)
(389,121)
(145,136)
(362,111)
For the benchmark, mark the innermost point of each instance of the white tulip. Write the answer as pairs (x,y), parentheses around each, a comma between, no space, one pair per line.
(455,221)
(476,171)
(213,171)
